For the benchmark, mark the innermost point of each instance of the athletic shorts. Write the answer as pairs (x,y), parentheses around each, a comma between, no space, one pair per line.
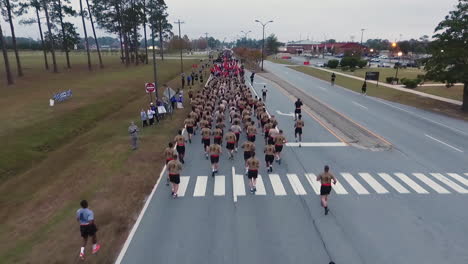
(217,140)
(298,130)
(252,174)
(88,230)
(247,155)
(269,158)
(278,148)
(180,149)
(214,159)
(167,160)
(237,136)
(325,189)
(230,145)
(297,111)
(174,178)
(206,142)
(252,138)
(190,130)
(270,140)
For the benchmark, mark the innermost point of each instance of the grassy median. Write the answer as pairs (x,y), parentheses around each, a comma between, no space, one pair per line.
(79,149)
(388,93)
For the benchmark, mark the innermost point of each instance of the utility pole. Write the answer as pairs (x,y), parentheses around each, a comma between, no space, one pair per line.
(206,38)
(263,41)
(181,46)
(362,35)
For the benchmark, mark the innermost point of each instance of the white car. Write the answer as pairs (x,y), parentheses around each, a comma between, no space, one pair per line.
(383,57)
(319,64)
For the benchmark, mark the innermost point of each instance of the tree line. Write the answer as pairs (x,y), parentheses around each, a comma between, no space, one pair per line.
(124,18)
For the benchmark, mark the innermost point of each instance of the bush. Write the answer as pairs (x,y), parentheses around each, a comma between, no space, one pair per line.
(333,64)
(345,68)
(352,69)
(410,83)
(362,63)
(349,61)
(391,79)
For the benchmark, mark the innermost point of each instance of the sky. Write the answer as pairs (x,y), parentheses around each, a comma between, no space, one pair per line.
(296,19)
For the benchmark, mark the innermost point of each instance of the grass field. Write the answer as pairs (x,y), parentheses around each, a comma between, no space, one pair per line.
(388,93)
(52,158)
(408,73)
(280,61)
(455,92)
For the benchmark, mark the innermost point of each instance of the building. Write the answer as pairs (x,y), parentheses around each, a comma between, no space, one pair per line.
(307,46)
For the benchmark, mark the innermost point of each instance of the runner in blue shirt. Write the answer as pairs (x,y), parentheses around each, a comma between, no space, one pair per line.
(87,227)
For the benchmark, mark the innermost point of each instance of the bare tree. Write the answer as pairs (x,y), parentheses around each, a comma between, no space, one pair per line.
(5,58)
(13,36)
(94,33)
(49,27)
(86,35)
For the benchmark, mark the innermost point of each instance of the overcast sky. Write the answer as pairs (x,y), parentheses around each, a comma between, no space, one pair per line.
(298,19)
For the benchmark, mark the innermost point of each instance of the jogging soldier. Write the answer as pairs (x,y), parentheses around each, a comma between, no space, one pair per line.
(215,151)
(87,227)
(174,167)
(206,139)
(280,140)
(326,179)
(180,147)
(298,129)
(248,147)
(189,123)
(230,143)
(169,154)
(269,157)
(253,165)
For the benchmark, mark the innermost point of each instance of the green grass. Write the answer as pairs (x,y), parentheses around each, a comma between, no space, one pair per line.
(388,93)
(279,61)
(408,73)
(455,92)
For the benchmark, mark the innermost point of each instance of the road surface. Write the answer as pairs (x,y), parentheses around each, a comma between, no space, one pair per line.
(403,205)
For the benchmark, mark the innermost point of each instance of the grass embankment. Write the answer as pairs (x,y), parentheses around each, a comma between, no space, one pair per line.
(408,73)
(279,61)
(454,92)
(79,149)
(388,93)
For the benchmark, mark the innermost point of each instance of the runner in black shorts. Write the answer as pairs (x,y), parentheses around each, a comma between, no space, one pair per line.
(326,179)
(253,166)
(298,129)
(298,104)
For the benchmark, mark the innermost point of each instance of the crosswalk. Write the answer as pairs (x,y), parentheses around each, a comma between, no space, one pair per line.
(361,183)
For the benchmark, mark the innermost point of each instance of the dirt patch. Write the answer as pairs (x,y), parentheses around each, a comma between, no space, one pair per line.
(342,126)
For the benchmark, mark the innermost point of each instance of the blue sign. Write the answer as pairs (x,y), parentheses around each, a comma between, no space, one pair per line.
(60,97)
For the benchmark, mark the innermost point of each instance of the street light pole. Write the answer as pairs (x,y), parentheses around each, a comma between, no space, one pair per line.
(263,41)
(362,36)
(181,48)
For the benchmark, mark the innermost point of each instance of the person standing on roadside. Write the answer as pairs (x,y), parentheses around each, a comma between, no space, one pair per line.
(174,167)
(264,93)
(144,118)
(150,115)
(326,179)
(182,78)
(189,80)
(333,77)
(87,228)
(252,77)
(364,88)
(133,131)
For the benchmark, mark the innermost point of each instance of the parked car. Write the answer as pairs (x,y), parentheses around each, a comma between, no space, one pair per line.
(383,65)
(341,55)
(374,60)
(383,57)
(319,64)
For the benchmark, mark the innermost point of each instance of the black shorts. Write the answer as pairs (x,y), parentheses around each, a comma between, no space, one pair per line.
(252,174)
(230,146)
(180,149)
(190,130)
(325,190)
(270,141)
(206,142)
(297,111)
(278,148)
(237,136)
(252,138)
(269,158)
(247,155)
(217,140)
(214,159)
(88,230)
(298,130)
(174,178)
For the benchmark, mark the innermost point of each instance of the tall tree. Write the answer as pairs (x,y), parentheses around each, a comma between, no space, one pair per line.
(82,13)
(58,14)
(10,5)
(94,33)
(144,30)
(158,20)
(5,58)
(45,6)
(449,50)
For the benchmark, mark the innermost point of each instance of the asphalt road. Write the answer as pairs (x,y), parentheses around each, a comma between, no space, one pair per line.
(404,205)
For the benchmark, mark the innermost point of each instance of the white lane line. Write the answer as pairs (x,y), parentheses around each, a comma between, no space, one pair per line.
(321,88)
(396,185)
(436,187)
(360,105)
(373,183)
(239,185)
(339,189)
(422,117)
(200,186)
(416,187)
(234,194)
(450,146)
(296,184)
(459,178)
(449,182)
(260,186)
(312,179)
(317,144)
(219,185)
(277,185)
(184,180)
(354,183)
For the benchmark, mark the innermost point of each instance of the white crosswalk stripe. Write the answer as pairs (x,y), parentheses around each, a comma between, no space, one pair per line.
(436,187)
(459,178)
(277,185)
(239,185)
(449,182)
(260,186)
(200,186)
(354,183)
(392,182)
(184,181)
(339,189)
(296,184)
(219,185)
(312,179)
(416,187)
(373,183)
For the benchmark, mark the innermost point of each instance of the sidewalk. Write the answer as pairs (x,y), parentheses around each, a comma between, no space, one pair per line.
(396,87)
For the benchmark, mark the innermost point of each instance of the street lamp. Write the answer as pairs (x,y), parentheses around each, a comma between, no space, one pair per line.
(246,33)
(263,41)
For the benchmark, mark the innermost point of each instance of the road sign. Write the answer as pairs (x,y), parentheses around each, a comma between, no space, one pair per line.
(150,87)
(372,76)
